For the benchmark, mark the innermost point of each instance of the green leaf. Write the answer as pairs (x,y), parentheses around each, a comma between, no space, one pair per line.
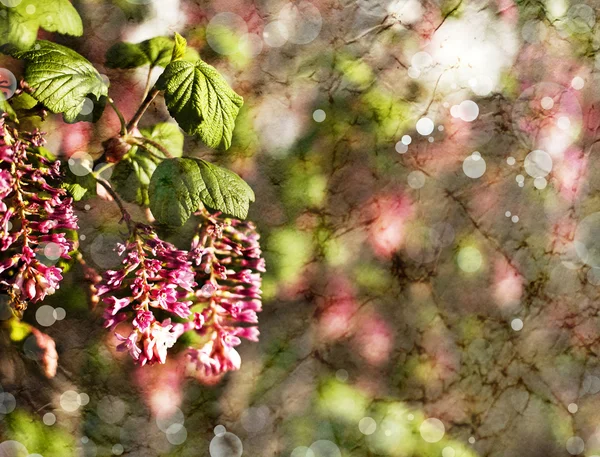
(44,152)
(131,175)
(201,101)
(191,55)
(19,105)
(156,52)
(17,30)
(125,56)
(174,191)
(23,101)
(179,186)
(224,191)
(6,108)
(75,190)
(19,24)
(179,48)
(61,78)
(79,186)
(168,135)
(55,16)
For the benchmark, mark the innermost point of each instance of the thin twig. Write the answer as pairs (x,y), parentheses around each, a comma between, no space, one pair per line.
(112,104)
(142,109)
(153,143)
(113,194)
(104,167)
(379,27)
(147,87)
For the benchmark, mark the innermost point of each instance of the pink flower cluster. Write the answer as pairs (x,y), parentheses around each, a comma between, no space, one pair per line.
(33,215)
(228,263)
(212,293)
(154,281)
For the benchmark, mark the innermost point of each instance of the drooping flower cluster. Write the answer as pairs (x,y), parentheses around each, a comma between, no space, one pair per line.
(228,266)
(34,219)
(151,289)
(212,291)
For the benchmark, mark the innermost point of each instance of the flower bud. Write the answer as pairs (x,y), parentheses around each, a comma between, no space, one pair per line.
(116,148)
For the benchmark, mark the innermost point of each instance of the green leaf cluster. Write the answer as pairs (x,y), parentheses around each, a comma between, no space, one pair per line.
(196,94)
(152,172)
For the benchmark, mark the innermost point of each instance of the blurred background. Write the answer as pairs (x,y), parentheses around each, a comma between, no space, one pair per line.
(426,176)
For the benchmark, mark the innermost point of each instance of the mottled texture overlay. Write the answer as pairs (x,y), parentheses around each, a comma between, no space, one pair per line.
(427,187)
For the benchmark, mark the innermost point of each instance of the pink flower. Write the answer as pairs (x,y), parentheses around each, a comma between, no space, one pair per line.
(129,344)
(215,357)
(143,320)
(181,309)
(116,304)
(163,296)
(157,340)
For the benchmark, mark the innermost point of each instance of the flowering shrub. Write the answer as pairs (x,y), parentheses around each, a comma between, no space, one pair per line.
(160,292)
(430,216)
